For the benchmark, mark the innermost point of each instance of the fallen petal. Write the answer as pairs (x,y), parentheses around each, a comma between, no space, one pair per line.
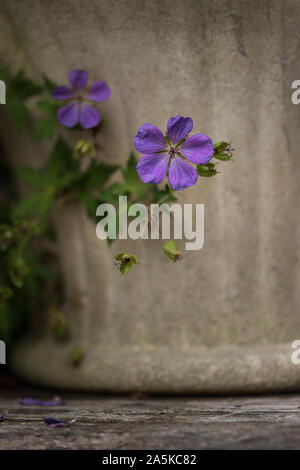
(58,423)
(3,416)
(56,401)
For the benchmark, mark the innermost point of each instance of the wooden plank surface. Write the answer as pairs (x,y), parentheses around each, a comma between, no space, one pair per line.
(106,422)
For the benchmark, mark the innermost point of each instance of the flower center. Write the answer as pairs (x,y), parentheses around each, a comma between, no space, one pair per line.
(173,152)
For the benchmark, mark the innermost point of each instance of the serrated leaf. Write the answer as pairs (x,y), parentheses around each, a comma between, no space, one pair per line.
(61,160)
(132,180)
(23,87)
(17,112)
(97,175)
(45,128)
(89,202)
(49,85)
(161,196)
(32,177)
(36,205)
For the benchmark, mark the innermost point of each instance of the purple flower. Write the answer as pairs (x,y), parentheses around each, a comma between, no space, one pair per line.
(79,109)
(3,416)
(57,401)
(175,147)
(58,423)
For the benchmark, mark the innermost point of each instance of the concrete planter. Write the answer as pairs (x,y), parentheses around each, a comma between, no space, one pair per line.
(224,318)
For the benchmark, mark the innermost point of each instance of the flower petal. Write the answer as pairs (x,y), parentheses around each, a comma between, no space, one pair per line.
(78,79)
(198,149)
(56,401)
(150,139)
(63,93)
(178,128)
(3,416)
(181,174)
(68,115)
(153,168)
(99,91)
(89,116)
(58,423)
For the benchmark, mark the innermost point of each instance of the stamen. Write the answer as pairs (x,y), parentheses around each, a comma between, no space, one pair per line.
(173,151)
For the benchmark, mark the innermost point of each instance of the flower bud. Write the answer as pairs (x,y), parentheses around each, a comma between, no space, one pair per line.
(172,251)
(207,170)
(125,261)
(84,147)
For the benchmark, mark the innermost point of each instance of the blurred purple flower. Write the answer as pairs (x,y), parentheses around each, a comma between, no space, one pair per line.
(56,401)
(58,423)
(174,147)
(3,416)
(79,109)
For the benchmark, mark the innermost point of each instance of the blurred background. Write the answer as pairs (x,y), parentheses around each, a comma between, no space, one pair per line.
(221,320)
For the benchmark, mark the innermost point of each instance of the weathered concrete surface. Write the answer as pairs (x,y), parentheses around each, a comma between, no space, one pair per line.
(154,423)
(179,327)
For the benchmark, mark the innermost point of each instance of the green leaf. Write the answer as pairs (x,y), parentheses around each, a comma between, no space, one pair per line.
(19,89)
(129,172)
(161,196)
(45,128)
(18,113)
(23,87)
(5,294)
(133,183)
(77,356)
(4,74)
(90,203)
(61,161)
(97,175)
(36,205)
(17,270)
(32,177)
(49,85)
(111,194)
